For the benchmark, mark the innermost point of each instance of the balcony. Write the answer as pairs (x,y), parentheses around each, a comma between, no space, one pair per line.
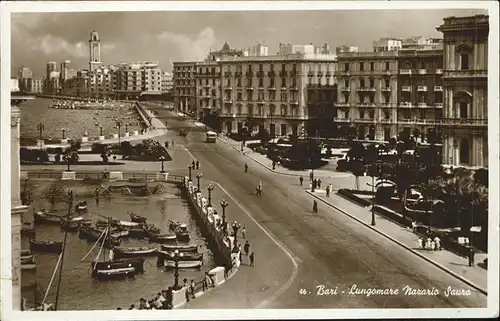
(405,105)
(228,101)
(226,114)
(465,122)
(366,89)
(258,116)
(366,105)
(422,71)
(405,71)
(438,105)
(439,71)
(421,88)
(261,101)
(341,104)
(438,88)
(386,89)
(385,105)
(385,121)
(294,87)
(466,73)
(345,73)
(294,102)
(249,87)
(422,105)
(341,120)
(364,120)
(405,88)
(238,74)
(344,88)
(293,116)
(283,88)
(387,72)
(228,87)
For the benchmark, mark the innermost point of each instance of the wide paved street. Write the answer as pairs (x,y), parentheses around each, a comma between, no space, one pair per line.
(327,248)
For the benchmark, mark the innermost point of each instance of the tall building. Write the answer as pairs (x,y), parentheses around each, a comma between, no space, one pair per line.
(208,96)
(134,78)
(271,92)
(64,71)
(14,85)
(51,67)
(420,92)
(95,51)
(167,82)
(35,85)
(465,80)
(25,75)
(367,94)
(185,86)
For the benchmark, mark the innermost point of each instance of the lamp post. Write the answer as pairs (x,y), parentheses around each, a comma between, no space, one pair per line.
(210,188)
(190,168)
(223,204)
(162,159)
(41,128)
(63,133)
(119,125)
(67,158)
(198,176)
(177,257)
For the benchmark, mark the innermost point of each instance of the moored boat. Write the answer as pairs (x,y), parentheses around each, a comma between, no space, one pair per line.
(116,273)
(45,246)
(161,238)
(137,232)
(28,262)
(137,219)
(119,234)
(182,233)
(134,251)
(136,262)
(193,260)
(42,217)
(71,225)
(81,207)
(180,248)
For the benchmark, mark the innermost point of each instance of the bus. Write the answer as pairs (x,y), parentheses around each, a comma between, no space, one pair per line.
(211,137)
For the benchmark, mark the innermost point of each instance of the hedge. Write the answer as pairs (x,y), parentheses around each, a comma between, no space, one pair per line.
(352,197)
(393,216)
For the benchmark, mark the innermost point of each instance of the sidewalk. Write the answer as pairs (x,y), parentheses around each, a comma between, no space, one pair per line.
(453,264)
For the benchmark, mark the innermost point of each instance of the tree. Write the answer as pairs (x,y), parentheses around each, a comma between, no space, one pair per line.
(127,149)
(105,157)
(481,176)
(264,136)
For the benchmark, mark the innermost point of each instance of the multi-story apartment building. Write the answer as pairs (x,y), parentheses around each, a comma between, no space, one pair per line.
(132,79)
(77,87)
(258,50)
(367,94)
(387,44)
(208,94)
(185,87)
(101,82)
(25,75)
(419,91)
(167,82)
(465,80)
(271,92)
(35,85)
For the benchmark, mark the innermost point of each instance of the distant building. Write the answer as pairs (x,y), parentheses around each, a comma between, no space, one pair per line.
(387,44)
(258,50)
(289,49)
(208,95)
(14,85)
(465,110)
(224,53)
(25,75)
(184,76)
(35,85)
(342,49)
(167,82)
(136,78)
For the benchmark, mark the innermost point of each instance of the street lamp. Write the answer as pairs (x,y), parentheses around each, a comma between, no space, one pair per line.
(198,176)
(119,124)
(41,128)
(162,159)
(177,256)
(67,158)
(210,188)
(63,133)
(223,204)
(190,168)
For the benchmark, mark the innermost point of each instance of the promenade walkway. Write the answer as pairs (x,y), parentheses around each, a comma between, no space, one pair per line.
(458,266)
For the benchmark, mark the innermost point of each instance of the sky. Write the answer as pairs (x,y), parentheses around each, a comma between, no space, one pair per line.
(38,38)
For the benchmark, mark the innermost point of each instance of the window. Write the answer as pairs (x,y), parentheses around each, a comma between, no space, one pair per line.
(362,83)
(261,67)
(372,83)
(371,114)
(271,84)
(463,109)
(261,95)
(464,61)
(422,114)
(239,82)
(361,114)
(361,66)
(213,82)
(238,96)
(387,83)
(283,110)
(282,67)
(386,99)
(272,95)
(346,66)
(250,68)
(283,97)
(250,109)
(346,98)
(386,115)
(261,82)
(250,95)
(372,66)
(346,83)
(283,82)
(294,82)
(294,67)
(283,129)
(249,82)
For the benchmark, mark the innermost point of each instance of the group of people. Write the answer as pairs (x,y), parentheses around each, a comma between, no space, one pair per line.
(162,301)
(430,244)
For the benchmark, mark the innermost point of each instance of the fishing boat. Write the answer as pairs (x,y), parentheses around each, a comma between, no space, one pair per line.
(137,219)
(45,246)
(118,234)
(81,207)
(187,260)
(116,273)
(92,235)
(71,225)
(161,238)
(137,232)
(134,251)
(180,248)
(43,217)
(182,233)
(151,229)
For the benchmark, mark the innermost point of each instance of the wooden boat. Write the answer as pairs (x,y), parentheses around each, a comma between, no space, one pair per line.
(182,233)
(118,234)
(126,224)
(108,274)
(161,238)
(151,229)
(185,256)
(137,232)
(136,262)
(191,261)
(42,217)
(81,207)
(180,248)
(71,225)
(45,246)
(137,219)
(134,251)
(92,235)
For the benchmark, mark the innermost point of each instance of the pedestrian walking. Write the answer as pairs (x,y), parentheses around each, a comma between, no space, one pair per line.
(197,165)
(97,197)
(311,176)
(421,243)
(252,260)
(315,183)
(301,180)
(246,167)
(315,206)
(241,257)
(433,246)
(437,240)
(428,243)
(244,232)
(328,191)
(173,143)
(191,287)
(166,144)
(246,247)
(319,183)
(193,164)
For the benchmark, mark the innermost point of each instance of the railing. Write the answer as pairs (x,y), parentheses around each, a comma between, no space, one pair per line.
(405,71)
(228,87)
(385,121)
(341,104)
(386,88)
(465,73)
(422,88)
(422,71)
(228,101)
(364,120)
(405,88)
(439,71)
(465,121)
(293,116)
(101,176)
(366,89)
(344,88)
(344,73)
(405,105)
(438,88)
(423,105)
(366,104)
(386,105)
(438,105)
(342,120)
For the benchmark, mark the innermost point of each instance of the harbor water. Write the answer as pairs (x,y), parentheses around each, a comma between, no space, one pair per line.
(78,290)
(75,121)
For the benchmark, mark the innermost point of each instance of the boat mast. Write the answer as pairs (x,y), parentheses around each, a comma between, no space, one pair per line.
(68,217)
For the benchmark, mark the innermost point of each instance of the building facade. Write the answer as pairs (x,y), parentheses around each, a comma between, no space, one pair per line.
(465,81)
(367,94)
(132,79)
(184,76)
(35,85)
(271,92)
(25,75)
(420,92)
(208,94)
(167,82)
(94,51)
(387,44)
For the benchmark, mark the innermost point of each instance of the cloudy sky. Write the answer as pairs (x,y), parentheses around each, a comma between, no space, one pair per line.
(176,36)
